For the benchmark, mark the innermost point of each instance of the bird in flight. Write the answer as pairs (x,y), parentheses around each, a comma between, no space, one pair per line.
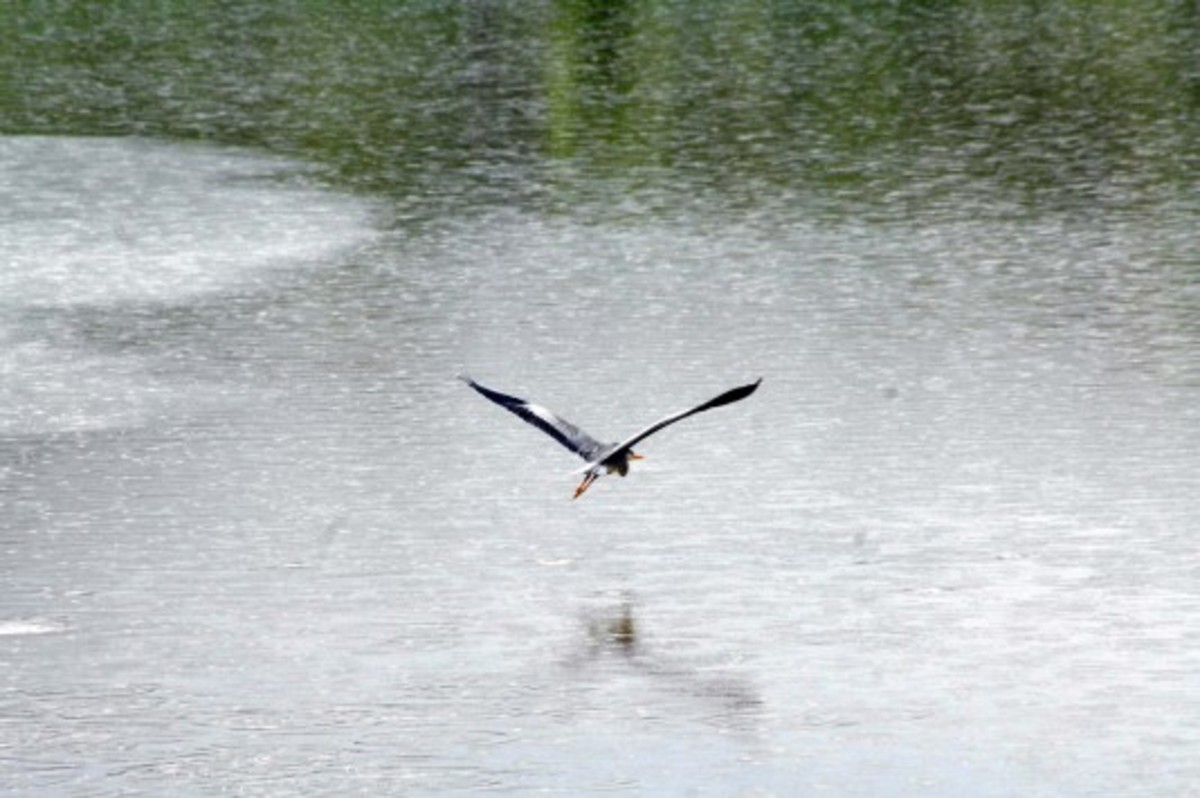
(601,458)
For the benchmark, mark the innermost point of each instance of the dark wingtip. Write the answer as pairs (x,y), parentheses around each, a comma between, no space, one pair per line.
(747,389)
(750,387)
(734,394)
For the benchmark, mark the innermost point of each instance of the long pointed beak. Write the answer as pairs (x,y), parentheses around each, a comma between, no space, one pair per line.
(636,456)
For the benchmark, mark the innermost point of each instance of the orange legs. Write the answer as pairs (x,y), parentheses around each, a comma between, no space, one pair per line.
(588,479)
(620,467)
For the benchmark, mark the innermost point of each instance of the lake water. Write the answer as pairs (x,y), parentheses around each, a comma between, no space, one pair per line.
(257,539)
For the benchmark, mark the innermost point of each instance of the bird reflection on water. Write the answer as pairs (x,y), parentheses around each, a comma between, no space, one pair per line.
(617,631)
(615,645)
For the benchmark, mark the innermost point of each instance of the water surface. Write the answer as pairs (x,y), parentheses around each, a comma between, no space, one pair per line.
(257,539)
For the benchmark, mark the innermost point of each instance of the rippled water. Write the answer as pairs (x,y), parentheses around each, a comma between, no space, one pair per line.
(946,547)
(255,538)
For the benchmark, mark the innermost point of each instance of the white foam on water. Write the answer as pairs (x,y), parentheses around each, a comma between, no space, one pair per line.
(18,628)
(107,220)
(101,223)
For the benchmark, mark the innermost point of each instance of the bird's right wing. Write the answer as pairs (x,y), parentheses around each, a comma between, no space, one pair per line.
(556,427)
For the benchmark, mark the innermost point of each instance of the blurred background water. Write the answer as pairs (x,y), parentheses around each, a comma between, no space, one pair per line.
(256,538)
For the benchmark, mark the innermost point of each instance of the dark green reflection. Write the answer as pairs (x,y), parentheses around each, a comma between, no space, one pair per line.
(840,107)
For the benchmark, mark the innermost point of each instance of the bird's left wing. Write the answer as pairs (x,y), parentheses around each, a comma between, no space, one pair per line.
(729,397)
(555,426)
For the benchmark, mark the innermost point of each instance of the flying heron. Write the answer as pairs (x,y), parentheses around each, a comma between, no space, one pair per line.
(601,458)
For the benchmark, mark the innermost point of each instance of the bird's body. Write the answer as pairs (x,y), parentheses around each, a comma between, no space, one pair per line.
(601,458)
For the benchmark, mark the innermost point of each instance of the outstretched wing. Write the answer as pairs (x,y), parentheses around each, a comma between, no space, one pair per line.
(729,397)
(558,428)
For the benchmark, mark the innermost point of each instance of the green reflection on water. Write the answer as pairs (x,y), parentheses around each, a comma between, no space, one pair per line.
(840,107)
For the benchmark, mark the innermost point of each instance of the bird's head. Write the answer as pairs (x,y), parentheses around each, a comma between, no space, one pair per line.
(620,465)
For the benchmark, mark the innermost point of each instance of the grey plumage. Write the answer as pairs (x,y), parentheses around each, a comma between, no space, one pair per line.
(600,457)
